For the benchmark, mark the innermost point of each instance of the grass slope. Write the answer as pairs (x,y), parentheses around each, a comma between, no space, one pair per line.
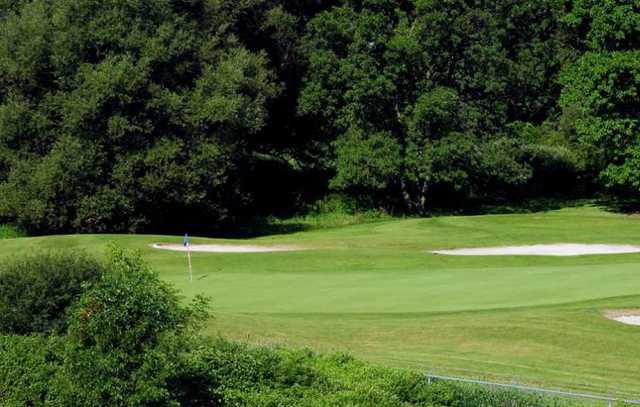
(373,290)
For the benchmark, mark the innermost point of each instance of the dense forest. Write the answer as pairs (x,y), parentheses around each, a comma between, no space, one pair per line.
(130,115)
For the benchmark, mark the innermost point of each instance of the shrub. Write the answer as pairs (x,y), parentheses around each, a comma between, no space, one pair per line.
(126,339)
(36,290)
(240,375)
(9,232)
(27,365)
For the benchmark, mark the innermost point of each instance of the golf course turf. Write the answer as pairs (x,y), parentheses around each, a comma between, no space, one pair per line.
(376,291)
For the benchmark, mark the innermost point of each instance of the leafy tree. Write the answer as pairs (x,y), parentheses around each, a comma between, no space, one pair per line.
(603,87)
(110,108)
(428,74)
(369,163)
(181,114)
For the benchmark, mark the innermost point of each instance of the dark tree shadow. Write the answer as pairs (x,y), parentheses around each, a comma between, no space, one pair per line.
(259,228)
(622,206)
(515,207)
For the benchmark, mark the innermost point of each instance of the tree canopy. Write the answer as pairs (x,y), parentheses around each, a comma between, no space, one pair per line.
(119,115)
(136,116)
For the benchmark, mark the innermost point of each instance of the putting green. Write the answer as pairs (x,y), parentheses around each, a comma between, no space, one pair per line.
(376,291)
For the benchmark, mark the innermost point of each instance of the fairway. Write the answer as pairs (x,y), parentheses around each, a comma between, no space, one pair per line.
(375,290)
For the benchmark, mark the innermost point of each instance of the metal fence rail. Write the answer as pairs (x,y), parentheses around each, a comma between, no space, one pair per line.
(530,389)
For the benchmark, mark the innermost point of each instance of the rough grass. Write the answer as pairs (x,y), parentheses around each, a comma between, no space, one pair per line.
(374,290)
(9,232)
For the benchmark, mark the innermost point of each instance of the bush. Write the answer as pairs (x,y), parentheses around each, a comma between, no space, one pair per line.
(240,375)
(127,338)
(26,367)
(222,373)
(36,290)
(9,232)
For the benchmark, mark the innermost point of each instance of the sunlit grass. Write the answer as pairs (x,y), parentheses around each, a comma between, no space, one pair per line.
(374,289)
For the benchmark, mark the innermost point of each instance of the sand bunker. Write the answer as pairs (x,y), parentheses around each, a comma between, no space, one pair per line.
(225,248)
(563,249)
(629,317)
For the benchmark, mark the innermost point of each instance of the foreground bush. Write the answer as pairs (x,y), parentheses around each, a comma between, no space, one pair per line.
(243,376)
(223,373)
(36,290)
(27,365)
(126,339)
(129,342)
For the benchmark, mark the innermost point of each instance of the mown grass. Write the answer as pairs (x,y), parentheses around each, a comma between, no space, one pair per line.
(373,290)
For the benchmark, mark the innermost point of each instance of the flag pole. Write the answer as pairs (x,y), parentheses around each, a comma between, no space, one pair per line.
(188,246)
(190,270)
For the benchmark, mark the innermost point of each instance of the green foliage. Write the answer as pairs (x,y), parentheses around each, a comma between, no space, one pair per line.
(126,309)
(419,95)
(36,290)
(9,232)
(266,377)
(225,373)
(181,115)
(125,337)
(109,109)
(40,194)
(606,25)
(603,87)
(369,163)
(27,365)
(125,342)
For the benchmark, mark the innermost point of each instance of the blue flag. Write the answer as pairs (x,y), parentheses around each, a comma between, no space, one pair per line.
(185,241)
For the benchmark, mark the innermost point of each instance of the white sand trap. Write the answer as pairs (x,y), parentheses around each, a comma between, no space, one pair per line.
(629,317)
(562,249)
(225,248)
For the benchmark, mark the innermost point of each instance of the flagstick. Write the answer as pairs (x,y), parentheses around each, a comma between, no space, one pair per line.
(189,258)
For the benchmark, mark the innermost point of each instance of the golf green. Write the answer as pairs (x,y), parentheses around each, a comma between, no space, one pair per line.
(376,291)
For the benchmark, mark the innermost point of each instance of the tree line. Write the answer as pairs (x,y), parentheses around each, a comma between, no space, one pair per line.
(127,115)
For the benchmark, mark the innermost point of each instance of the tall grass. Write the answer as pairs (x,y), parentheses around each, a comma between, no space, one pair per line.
(9,232)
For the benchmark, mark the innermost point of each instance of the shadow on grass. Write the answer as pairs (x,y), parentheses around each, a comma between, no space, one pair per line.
(513,207)
(622,206)
(262,227)
(258,227)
